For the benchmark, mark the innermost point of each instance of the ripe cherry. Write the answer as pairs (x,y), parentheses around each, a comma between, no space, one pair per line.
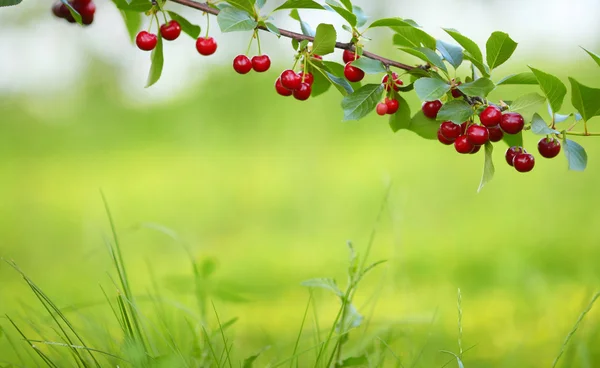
(392,105)
(478,135)
(307,77)
(353,74)
(476,149)
(443,139)
(462,145)
(290,80)
(261,63)
(549,147)
(450,130)
(303,93)
(206,46)
(57,9)
(456,92)
(512,152)
(382,108)
(397,82)
(242,64)
(491,116)
(87,12)
(170,31)
(512,122)
(496,134)
(281,89)
(431,108)
(349,56)
(146,41)
(524,162)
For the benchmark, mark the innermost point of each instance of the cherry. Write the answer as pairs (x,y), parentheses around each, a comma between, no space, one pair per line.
(512,122)
(86,11)
(307,77)
(318,57)
(462,145)
(206,46)
(456,93)
(397,81)
(478,135)
(496,134)
(261,63)
(431,108)
(491,116)
(349,56)
(146,41)
(450,130)
(549,147)
(524,162)
(281,89)
(290,80)
(443,139)
(476,149)
(170,31)
(392,105)
(242,64)
(303,93)
(463,127)
(382,108)
(57,9)
(512,152)
(353,74)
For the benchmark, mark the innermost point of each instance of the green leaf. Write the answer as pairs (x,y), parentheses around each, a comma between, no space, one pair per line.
(300,4)
(9,2)
(273,29)
(401,119)
(341,84)
(305,27)
(346,14)
(585,99)
(347,4)
(553,88)
(157,63)
(457,111)
(576,155)
(389,22)
(527,103)
(451,53)
(514,139)
(249,362)
(521,78)
(72,10)
(594,56)
(325,39)
(499,48)
(426,55)
(469,45)
(133,22)
(324,283)
(485,71)
(140,6)
(235,20)
(190,29)
(260,3)
(369,66)
(488,166)
(245,5)
(321,83)
(431,89)
(539,126)
(360,103)
(361,17)
(481,87)
(423,126)
(355,361)
(410,36)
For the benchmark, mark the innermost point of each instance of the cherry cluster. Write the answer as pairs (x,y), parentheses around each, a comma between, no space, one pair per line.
(170,31)
(243,65)
(86,8)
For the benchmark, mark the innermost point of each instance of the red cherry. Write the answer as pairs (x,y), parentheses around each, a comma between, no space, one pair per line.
(524,162)
(281,89)
(549,147)
(478,135)
(443,139)
(512,152)
(87,12)
(353,74)
(56,9)
(392,105)
(349,56)
(303,93)
(450,130)
(261,63)
(397,81)
(382,108)
(456,93)
(431,108)
(462,145)
(242,64)
(80,2)
(206,46)
(496,134)
(512,122)
(307,77)
(146,41)
(318,57)
(491,116)
(476,149)
(170,31)
(290,80)
(463,127)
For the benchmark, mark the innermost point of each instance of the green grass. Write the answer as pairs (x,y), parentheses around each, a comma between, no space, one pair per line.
(262,196)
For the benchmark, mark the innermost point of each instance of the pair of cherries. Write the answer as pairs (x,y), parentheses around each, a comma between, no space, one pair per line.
(297,84)
(85,8)
(517,157)
(389,106)
(243,65)
(147,41)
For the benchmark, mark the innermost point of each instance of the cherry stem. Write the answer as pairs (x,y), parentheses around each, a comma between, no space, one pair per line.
(583,134)
(165,16)
(250,44)
(207,23)
(300,37)
(257,41)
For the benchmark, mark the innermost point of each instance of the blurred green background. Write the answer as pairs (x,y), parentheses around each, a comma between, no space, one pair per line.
(271,189)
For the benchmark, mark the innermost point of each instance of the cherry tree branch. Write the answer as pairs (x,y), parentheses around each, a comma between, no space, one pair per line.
(300,37)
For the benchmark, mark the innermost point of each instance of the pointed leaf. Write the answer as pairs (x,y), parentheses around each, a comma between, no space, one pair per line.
(341,11)
(360,103)
(539,126)
(321,83)
(576,155)
(157,63)
(355,361)
(325,39)
(514,139)
(521,78)
(361,17)
(369,66)
(235,20)
(300,4)
(324,283)
(527,103)
(488,166)
(409,35)
(594,56)
(457,111)
(401,119)
(190,29)
(423,126)
(347,4)
(585,99)
(431,89)
(451,53)
(481,87)
(245,5)
(553,88)
(469,45)
(9,2)
(500,48)
(133,22)
(140,6)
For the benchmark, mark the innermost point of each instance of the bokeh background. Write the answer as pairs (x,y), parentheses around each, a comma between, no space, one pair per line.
(271,189)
